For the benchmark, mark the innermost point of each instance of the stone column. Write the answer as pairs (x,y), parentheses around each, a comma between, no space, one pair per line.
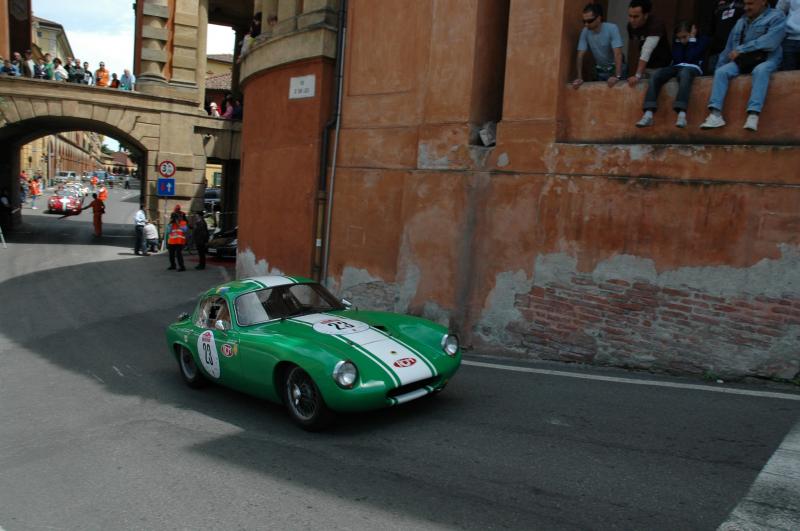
(202,56)
(155,34)
(287,17)
(186,43)
(269,9)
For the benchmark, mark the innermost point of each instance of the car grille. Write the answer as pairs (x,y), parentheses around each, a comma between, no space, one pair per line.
(413,386)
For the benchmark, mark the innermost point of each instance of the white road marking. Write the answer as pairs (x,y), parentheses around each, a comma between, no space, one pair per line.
(118,371)
(773,501)
(654,383)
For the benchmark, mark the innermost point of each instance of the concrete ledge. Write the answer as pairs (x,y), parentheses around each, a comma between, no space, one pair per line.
(285,49)
(595,113)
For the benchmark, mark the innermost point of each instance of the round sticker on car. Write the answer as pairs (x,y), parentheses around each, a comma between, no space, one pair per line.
(339,327)
(207,352)
(404,362)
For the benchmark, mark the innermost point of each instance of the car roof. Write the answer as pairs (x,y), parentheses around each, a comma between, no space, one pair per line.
(246,285)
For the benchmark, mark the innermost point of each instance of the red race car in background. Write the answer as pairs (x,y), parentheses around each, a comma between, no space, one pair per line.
(67,201)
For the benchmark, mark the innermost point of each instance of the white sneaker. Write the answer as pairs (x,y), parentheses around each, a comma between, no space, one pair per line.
(681,121)
(646,121)
(751,124)
(713,121)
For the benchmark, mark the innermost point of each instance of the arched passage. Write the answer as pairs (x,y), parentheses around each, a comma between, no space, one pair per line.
(14,136)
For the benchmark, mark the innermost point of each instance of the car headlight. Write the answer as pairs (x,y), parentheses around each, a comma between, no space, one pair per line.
(450,344)
(345,374)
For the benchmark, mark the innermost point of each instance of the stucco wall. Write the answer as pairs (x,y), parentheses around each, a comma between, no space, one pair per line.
(577,237)
(280,167)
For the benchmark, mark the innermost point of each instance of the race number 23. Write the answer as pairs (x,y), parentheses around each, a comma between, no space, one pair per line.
(207,352)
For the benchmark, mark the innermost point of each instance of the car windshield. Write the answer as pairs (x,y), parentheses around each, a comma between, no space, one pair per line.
(281,302)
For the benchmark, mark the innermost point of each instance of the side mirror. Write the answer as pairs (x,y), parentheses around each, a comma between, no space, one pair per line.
(183,316)
(221,325)
(347,303)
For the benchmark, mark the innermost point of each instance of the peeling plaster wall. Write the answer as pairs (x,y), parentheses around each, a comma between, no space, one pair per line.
(577,238)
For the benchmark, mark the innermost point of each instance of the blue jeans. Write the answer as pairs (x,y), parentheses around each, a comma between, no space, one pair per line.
(685,77)
(791,54)
(758,92)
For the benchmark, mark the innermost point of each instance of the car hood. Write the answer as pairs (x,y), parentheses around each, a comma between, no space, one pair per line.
(345,336)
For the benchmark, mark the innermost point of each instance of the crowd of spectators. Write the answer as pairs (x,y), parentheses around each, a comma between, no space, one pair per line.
(745,37)
(69,71)
(231,108)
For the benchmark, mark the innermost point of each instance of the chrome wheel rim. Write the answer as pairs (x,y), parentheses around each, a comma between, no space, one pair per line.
(187,365)
(302,395)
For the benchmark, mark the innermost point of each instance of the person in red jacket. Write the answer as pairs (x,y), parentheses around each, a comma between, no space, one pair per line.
(98,209)
(176,239)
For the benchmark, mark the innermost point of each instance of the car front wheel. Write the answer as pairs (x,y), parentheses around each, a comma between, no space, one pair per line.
(304,401)
(190,372)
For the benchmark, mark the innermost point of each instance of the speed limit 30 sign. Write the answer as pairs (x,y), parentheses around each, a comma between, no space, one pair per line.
(166,168)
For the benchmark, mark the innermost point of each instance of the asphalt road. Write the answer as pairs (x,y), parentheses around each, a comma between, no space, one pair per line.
(97,431)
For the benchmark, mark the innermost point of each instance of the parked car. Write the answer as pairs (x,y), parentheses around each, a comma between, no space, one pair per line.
(288,339)
(224,244)
(66,201)
(64,176)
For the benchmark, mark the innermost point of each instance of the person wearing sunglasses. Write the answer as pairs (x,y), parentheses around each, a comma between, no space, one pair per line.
(605,43)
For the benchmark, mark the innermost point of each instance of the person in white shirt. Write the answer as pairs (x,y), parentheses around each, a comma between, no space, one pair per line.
(151,236)
(140,220)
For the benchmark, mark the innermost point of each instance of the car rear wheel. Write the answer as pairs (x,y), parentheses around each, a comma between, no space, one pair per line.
(304,401)
(190,372)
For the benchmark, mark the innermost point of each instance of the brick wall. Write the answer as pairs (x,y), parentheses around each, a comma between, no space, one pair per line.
(641,325)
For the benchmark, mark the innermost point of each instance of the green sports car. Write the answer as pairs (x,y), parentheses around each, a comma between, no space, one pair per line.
(287,339)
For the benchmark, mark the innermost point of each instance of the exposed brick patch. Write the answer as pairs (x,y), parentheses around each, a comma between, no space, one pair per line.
(641,325)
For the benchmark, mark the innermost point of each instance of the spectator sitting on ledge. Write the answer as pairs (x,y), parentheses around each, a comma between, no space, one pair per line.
(605,42)
(754,45)
(687,59)
(8,69)
(650,35)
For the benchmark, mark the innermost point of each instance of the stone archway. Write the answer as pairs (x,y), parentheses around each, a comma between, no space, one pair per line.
(162,128)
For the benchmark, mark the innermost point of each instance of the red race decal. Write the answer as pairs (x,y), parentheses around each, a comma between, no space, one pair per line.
(405,362)
(227,351)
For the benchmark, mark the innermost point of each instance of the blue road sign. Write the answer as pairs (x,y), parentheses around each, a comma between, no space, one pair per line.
(165,187)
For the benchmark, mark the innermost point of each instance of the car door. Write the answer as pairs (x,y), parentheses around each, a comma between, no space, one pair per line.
(216,341)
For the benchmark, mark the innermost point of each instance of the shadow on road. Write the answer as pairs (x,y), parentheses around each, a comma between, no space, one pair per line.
(484,454)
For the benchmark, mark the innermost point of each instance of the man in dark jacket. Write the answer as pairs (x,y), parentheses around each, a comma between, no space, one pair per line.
(200,236)
(726,14)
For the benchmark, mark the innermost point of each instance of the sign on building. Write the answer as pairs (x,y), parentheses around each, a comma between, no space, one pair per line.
(302,87)
(165,187)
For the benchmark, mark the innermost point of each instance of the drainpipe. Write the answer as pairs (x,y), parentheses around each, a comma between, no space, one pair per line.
(336,120)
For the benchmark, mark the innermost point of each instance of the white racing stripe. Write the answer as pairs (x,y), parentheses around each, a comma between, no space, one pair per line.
(654,383)
(406,364)
(773,501)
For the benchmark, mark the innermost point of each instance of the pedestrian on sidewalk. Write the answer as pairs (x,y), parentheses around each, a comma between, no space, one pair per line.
(200,234)
(127,182)
(5,210)
(176,239)
(23,188)
(36,191)
(139,221)
(98,209)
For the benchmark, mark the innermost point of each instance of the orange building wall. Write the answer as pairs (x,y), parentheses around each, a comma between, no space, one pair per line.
(577,237)
(4,35)
(280,161)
